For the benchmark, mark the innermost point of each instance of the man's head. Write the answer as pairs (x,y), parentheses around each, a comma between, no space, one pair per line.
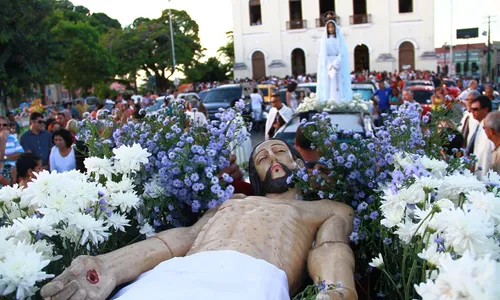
(492,126)
(61,119)
(276,101)
(119,98)
(408,95)
(381,84)
(270,165)
(4,123)
(488,90)
(37,123)
(473,85)
(480,107)
(471,97)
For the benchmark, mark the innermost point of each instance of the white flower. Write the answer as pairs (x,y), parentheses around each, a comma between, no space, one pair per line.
(99,166)
(493,178)
(70,233)
(486,203)
(454,185)
(147,230)
(46,249)
(153,189)
(402,160)
(432,255)
(428,183)
(463,278)
(129,159)
(33,225)
(393,216)
(126,201)
(465,230)
(437,167)
(94,230)
(123,186)
(412,195)
(118,221)
(21,269)
(406,230)
(377,262)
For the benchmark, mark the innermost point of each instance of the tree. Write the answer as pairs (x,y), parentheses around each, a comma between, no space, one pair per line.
(146,45)
(87,61)
(227,51)
(211,70)
(28,52)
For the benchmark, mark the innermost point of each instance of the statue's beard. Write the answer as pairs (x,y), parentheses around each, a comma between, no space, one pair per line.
(277,185)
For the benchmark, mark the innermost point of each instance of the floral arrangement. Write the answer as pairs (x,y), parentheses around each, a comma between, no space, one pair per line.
(97,136)
(356,105)
(182,178)
(444,228)
(62,215)
(353,168)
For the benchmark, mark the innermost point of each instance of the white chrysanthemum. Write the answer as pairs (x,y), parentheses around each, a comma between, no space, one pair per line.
(129,159)
(454,185)
(153,189)
(463,278)
(126,201)
(99,166)
(377,262)
(94,231)
(412,195)
(428,183)
(59,207)
(147,230)
(9,193)
(126,185)
(406,230)
(487,203)
(34,225)
(465,230)
(402,160)
(493,178)
(118,221)
(393,216)
(21,269)
(46,249)
(70,233)
(437,167)
(445,204)
(431,255)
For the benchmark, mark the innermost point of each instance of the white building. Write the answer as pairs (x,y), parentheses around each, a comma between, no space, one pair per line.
(281,37)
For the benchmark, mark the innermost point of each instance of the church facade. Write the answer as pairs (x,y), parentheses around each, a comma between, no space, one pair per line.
(281,37)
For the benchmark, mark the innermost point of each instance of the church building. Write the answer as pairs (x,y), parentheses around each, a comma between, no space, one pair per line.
(281,37)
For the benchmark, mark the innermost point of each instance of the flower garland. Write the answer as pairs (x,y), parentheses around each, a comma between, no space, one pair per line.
(356,105)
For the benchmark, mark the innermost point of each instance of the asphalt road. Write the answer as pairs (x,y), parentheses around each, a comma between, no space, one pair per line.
(257,137)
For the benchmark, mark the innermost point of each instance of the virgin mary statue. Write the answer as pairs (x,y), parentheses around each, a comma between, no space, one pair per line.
(334,80)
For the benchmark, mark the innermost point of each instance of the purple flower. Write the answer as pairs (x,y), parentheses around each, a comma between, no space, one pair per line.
(374,215)
(387,241)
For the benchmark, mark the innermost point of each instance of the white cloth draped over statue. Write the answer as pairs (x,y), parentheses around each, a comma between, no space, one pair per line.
(334,80)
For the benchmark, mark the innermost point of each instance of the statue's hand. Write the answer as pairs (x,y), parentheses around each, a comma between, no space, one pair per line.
(337,294)
(86,278)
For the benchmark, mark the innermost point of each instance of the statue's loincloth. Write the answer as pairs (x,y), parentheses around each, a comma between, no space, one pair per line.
(220,275)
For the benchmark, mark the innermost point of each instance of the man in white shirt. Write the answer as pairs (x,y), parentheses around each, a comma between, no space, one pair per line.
(193,113)
(408,96)
(472,87)
(256,108)
(278,116)
(479,144)
(468,123)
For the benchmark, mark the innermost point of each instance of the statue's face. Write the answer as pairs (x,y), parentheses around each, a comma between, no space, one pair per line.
(331,28)
(273,157)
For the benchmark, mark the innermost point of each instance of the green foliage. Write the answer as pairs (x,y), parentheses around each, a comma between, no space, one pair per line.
(211,70)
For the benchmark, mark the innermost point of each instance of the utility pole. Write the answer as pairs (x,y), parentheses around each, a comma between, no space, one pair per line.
(171,34)
(451,69)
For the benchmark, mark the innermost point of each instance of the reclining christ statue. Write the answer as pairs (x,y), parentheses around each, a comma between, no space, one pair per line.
(255,247)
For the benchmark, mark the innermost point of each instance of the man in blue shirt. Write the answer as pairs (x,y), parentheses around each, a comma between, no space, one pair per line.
(37,140)
(383,95)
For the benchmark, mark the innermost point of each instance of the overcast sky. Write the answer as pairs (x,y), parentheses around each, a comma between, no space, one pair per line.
(214,16)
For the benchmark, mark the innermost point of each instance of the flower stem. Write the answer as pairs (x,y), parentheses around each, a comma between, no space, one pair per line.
(393,283)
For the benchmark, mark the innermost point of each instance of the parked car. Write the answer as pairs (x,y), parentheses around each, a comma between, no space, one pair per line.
(188,96)
(311,86)
(221,97)
(355,122)
(203,94)
(365,89)
(452,87)
(422,94)
(410,83)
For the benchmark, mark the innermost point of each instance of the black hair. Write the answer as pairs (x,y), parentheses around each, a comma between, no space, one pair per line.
(61,114)
(484,102)
(255,90)
(456,143)
(35,115)
(257,185)
(138,113)
(65,135)
(100,106)
(27,161)
(301,140)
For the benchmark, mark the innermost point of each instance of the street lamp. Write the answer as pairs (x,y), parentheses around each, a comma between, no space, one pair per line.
(171,33)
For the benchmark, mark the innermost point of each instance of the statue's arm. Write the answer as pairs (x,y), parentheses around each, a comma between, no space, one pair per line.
(332,259)
(122,265)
